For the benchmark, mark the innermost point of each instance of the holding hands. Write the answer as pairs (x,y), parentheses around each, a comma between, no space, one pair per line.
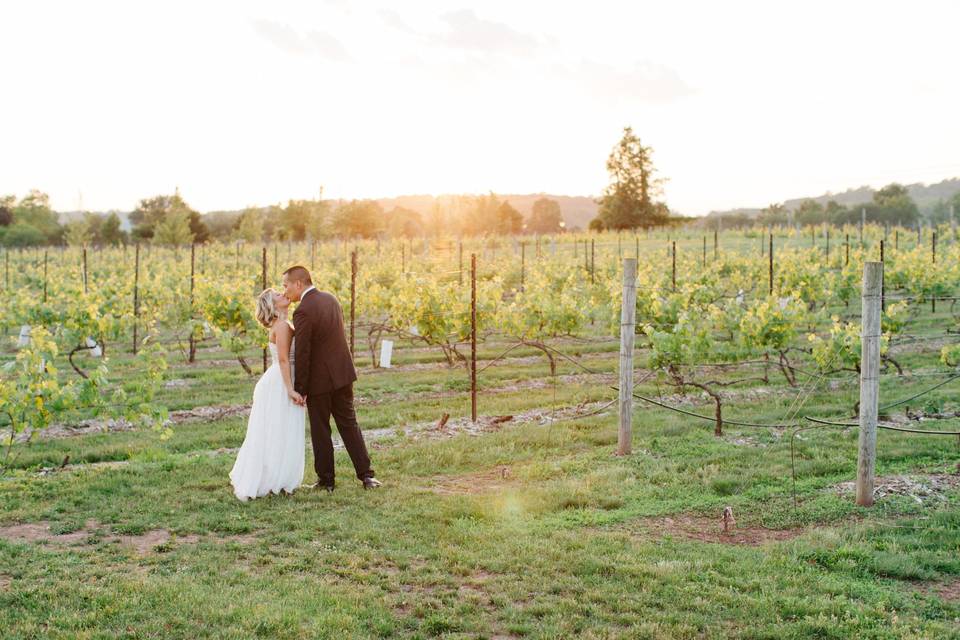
(297,399)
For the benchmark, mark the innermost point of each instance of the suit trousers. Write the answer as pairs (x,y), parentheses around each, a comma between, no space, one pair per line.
(339,404)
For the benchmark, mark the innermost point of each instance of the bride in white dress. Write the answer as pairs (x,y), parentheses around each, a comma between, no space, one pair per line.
(271,459)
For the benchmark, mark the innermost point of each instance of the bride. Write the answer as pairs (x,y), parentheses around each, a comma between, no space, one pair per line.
(271,459)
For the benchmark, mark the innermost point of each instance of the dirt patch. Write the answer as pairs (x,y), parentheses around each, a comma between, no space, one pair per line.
(374,437)
(924,489)
(496,479)
(708,530)
(110,425)
(143,544)
(5,582)
(950,591)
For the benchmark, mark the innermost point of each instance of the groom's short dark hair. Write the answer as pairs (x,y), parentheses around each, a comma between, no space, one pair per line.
(299,273)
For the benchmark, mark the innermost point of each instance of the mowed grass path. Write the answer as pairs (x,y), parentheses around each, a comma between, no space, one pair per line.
(531,530)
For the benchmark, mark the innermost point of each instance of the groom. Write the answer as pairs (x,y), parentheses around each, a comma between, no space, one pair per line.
(324,375)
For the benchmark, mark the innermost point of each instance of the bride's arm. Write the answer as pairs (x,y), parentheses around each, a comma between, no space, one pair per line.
(284,335)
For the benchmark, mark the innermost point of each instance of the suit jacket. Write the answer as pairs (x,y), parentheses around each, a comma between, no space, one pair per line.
(322,359)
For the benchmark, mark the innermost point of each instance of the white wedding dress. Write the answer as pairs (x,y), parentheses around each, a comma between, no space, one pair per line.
(273,451)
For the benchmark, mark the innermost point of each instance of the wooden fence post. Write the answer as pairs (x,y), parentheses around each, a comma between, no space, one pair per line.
(933,259)
(770,256)
(353,298)
(673,272)
(263,285)
(473,337)
(84,270)
(869,380)
(136,294)
(628,319)
(193,342)
(523,264)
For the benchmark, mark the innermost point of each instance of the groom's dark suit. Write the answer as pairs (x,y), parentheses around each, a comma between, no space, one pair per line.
(324,373)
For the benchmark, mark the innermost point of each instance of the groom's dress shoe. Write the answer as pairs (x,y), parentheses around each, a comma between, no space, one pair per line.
(371,483)
(321,486)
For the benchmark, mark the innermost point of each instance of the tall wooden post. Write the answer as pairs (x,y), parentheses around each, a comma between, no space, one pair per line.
(883,287)
(869,380)
(473,337)
(353,298)
(136,294)
(84,270)
(673,270)
(628,320)
(770,256)
(593,258)
(846,260)
(827,250)
(523,264)
(193,342)
(704,251)
(933,259)
(716,244)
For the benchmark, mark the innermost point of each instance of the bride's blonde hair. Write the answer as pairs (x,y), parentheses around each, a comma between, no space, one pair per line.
(266,309)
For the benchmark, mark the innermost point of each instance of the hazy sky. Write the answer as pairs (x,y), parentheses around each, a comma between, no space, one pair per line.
(240,103)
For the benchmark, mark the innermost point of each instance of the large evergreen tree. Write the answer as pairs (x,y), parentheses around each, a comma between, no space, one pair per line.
(630,201)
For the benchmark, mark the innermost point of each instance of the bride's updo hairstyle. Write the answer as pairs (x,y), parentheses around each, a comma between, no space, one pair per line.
(266,310)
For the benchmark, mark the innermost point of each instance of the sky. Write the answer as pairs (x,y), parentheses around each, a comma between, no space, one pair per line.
(240,103)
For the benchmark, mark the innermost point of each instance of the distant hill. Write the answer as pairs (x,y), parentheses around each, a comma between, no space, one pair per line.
(924,195)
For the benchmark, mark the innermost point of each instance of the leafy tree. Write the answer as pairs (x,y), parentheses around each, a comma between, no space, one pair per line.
(20,234)
(893,203)
(78,233)
(110,231)
(773,214)
(628,202)
(34,210)
(197,227)
(940,212)
(834,212)
(301,219)
(363,218)
(545,216)
(6,210)
(250,225)
(151,211)
(481,215)
(174,228)
(404,222)
(809,212)
(509,220)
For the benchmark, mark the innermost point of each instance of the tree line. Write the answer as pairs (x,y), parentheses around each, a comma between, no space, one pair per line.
(891,205)
(170,220)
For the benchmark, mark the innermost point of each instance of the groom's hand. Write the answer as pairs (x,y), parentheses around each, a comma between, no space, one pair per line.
(297,398)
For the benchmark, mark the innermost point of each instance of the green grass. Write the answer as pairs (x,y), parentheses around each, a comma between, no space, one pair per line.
(568,542)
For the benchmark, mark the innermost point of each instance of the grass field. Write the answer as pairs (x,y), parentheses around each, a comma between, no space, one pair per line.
(523,528)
